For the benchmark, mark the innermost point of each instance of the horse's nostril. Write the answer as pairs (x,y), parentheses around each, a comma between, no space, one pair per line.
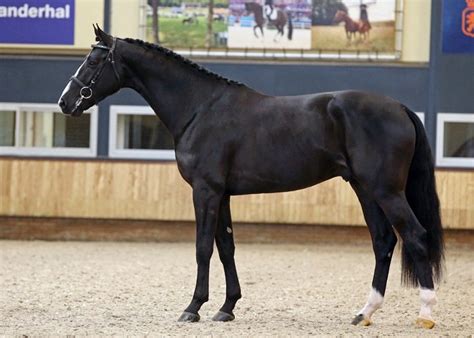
(62,103)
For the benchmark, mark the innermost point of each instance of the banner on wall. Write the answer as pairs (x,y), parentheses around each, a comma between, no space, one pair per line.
(279,24)
(331,25)
(354,25)
(458,26)
(37,22)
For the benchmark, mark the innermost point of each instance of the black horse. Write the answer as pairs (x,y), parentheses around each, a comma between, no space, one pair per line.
(232,140)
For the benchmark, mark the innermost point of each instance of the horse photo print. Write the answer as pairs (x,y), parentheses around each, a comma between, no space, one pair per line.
(275,24)
(365,25)
(184,23)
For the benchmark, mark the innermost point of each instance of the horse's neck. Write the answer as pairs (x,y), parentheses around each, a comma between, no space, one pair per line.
(347,20)
(258,10)
(351,24)
(173,89)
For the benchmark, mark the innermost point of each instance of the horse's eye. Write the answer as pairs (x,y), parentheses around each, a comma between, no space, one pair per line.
(92,63)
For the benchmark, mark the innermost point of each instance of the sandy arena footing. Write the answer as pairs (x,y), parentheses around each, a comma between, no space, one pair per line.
(105,288)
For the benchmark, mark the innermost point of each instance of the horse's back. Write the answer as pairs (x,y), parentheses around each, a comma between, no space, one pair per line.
(286,143)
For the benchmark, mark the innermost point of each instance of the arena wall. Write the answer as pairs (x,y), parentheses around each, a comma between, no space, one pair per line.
(127,19)
(156,191)
(416,25)
(100,186)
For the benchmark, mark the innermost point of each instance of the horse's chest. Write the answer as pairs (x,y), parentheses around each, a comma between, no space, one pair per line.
(186,163)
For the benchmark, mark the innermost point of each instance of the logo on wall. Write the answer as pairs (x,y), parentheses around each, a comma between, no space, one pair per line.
(37,21)
(468,19)
(458,26)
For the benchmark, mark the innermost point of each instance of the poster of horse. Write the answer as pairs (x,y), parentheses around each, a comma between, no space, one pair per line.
(364,25)
(184,24)
(274,24)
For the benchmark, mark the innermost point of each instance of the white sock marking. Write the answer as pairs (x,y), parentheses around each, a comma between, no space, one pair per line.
(428,300)
(374,302)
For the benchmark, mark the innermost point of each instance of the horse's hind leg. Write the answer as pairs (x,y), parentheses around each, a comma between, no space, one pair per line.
(383,241)
(280,33)
(226,248)
(401,216)
(275,38)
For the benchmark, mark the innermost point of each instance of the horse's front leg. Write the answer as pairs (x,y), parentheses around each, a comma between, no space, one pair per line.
(206,206)
(348,36)
(226,248)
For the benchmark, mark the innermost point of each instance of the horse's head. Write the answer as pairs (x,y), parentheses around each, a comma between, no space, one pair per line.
(97,77)
(339,16)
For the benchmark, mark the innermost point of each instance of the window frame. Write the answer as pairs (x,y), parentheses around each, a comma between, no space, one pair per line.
(143,154)
(17,150)
(444,161)
(421,116)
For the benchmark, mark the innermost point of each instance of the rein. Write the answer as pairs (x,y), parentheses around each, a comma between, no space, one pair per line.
(86,91)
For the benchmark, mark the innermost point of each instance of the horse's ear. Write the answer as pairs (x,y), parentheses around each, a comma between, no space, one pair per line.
(102,36)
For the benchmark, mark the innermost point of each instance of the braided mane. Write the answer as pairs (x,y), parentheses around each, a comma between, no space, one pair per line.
(169,53)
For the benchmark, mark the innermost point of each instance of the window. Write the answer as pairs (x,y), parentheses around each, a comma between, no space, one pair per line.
(455,140)
(42,130)
(7,128)
(136,132)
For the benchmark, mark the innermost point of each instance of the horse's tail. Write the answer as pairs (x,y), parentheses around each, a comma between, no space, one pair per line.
(423,199)
(290,27)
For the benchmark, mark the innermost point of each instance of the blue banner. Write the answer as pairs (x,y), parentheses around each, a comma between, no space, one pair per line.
(458,26)
(37,21)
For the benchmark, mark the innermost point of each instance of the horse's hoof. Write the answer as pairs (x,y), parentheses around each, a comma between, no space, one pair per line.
(189,317)
(223,317)
(425,323)
(360,319)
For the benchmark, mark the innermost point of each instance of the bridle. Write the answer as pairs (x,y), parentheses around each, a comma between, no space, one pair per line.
(86,91)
